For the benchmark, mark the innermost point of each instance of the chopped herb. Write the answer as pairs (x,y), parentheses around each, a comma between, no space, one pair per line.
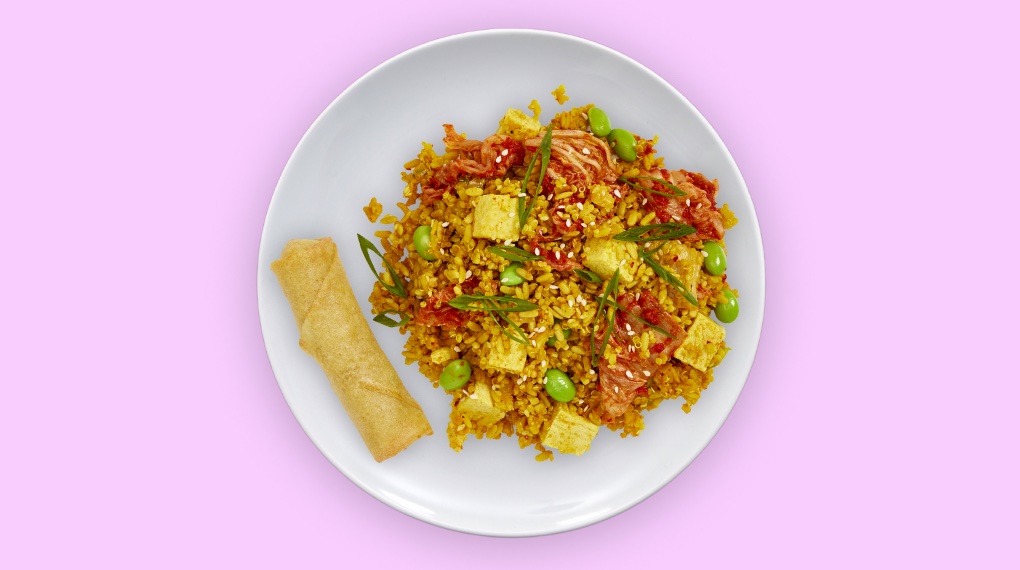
(668,277)
(656,232)
(512,253)
(398,284)
(497,307)
(610,290)
(629,181)
(382,319)
(546,150)
(588,276)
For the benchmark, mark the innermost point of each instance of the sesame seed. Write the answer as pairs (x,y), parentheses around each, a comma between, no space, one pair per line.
(540,330)
(590,371)
(644,201)
(627,325)
(522,195)
(616,389)
(508,242)
(580,205)
(585,150)
(570,302)
(456,349)
(442,251)
(554,287)
(473,396)
(543,364)
(544,380)
(569,255)
(498,158)
(628,374)
(585,408)
(578,298)
(568,222)
(505,152)
(445,224)
(616,193)
(533,343)
(647,373)
(583,302)
(630,333)
(637,296)
(536,251)
(698,206)
(584,225)
(704,253)
(511,214)
(467,275)
(557,254)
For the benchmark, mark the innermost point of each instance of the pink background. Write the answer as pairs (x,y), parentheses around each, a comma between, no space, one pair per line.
(141,425)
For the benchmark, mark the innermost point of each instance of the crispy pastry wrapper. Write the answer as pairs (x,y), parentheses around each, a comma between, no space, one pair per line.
(335,332)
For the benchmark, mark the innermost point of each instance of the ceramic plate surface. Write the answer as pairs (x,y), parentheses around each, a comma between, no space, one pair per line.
(356,149)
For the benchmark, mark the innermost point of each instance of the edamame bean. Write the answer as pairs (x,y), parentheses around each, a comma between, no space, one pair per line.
(715,258)
(598,121)
(455,375)
(423,242)
(559,386)
(623,143)
(552,339)
(727,312)
(509,276)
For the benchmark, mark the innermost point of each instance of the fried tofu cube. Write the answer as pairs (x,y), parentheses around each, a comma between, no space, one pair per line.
(569,432)
(496,218)
(684,261)
(517,125)
(479,406)
(605,256)
(704,338)
(504,354)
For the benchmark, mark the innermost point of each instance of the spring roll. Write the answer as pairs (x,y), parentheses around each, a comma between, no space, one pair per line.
(335,332)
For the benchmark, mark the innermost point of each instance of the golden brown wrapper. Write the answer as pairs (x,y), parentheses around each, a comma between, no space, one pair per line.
(335,332)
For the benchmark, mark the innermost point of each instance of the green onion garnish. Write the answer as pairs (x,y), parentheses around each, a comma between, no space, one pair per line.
(398,284)
(668,277)
(656,232)
(497,308)
(610,289)
(382,319)
(513,253)
(546,149)
(588,276)
(629,181)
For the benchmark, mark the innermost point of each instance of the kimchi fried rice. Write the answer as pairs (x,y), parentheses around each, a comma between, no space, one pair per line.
(598,244)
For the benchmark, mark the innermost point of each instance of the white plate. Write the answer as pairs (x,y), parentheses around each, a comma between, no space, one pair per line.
(356,149)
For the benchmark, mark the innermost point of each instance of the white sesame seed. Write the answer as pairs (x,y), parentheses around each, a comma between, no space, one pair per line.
(467,275)
(505,152)
(473,396)
(698,206)
(511,214)
(533,343)
(616,389)
(554,287)
(521,195)
(630,333)
(590,371)
(628,374)
(544,379)
(644,201)
(585,150)
(688,202)
(540,330)
(647,373)
(520,380)
(508,242)
(536,251)
(579,298)
(637,296)
(616,193)
(445,224)
(627,325)
(704,253)
(456,349)
(442,251)
(583,302)
(543,364)
(568,222)
(585,115)
(570,254)
(580,205)
(557,254)
(570,302)
(498,158)
(585,408)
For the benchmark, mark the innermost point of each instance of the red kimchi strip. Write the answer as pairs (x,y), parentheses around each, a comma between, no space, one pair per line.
(438,312)
(490,158)
(697,208)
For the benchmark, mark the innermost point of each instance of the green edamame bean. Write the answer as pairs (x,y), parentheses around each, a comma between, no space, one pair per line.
(423,242)
(552,339)
(715,260)
(727,312)
(598,121)
(509,276)
(559,386)
(455,375)
(623,144)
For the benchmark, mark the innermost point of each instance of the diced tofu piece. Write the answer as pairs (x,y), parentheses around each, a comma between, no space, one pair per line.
(604,256)
(496,218)
(479,406)
(517,125)
(569,432)
(684,261)
(501,353)
(441,355)
(704,337)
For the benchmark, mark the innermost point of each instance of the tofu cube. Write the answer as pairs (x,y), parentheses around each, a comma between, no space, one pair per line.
(504,354)
(496,218)
(605,256)
(686,263)
(569,432)
(704,337)
(479,406)
(518,125)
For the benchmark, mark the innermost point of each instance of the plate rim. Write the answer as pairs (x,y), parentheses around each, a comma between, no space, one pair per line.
(262,267)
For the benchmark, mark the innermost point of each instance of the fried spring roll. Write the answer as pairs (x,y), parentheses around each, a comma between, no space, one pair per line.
(335,332)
